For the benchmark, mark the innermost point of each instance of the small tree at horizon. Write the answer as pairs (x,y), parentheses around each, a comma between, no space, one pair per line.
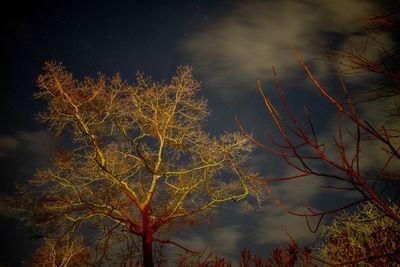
(366,236)
(63,252)
(139,162)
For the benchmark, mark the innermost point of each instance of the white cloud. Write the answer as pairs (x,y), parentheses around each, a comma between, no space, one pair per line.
(36,142)
(274,222)
(373,154)
(194,242)
(240,47)
(275,225)
(225,239)
(7,145)
(22,152)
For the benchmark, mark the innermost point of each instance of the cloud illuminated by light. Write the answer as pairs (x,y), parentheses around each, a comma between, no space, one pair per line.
(240,47)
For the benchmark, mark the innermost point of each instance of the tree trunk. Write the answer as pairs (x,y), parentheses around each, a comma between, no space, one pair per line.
(147,251)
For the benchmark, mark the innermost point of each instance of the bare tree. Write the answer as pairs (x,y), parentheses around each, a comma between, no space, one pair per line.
(365,237)
(372,50)
(139,162)
(338,164)
(68,251)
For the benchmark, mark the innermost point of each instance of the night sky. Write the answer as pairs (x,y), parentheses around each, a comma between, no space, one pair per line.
(230,44)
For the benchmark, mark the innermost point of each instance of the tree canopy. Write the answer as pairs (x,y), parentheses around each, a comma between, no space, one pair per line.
(363,237)
(139,162)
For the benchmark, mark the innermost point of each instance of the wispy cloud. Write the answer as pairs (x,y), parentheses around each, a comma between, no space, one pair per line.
(373,154)
(261,229)
(226,239)
(241,46)
(36,142)
(21,153)
(8,144)
(276,226)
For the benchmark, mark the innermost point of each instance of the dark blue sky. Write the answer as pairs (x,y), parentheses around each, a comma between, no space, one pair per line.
(87,37)
(92,36)
(230,44)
